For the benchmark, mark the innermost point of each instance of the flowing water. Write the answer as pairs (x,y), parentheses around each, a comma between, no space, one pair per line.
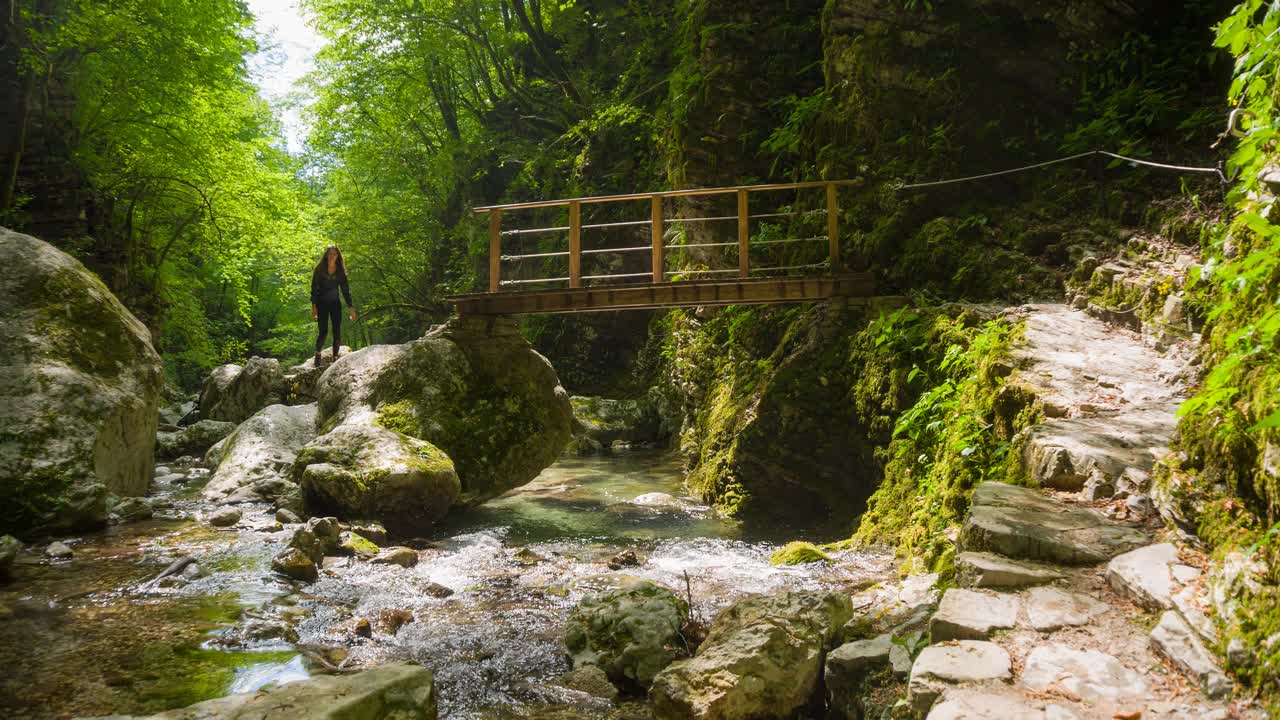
(484,609)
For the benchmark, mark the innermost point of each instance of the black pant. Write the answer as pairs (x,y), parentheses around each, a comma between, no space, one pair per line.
(329,313)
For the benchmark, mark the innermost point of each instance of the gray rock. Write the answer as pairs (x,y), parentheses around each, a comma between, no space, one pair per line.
(225,517)
(631,633)
(132,509)
(1140,506)
(983,705)
(895,606)
(847,669)
(350,543)
(985,570)
(591,680)
(258,457)
(192,440)
(1175,639)
(376,533)
(1024,523)
(1050,608)
(972,615)
(287,516)
(58,550)
(1087,674)
(79,395)
(402,556)
(10,546)
(400,691)
(214,388)
(259,384)
(296,564)
(1146,575)
(1238,655)
(762,659)
(938,667)
(1190,605)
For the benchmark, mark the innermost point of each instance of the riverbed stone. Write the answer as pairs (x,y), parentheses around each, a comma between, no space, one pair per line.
(630,633)
(58,550)
(350,543)
(254,462)
(257,385)
(79,395)
(399,691)
(130,509)
(590,679)
(223,517)
(938,667)
(296,564)
(762,659)
(1026,524)
(987,570)
(10,546)
(1086,674)
(972,615)
(1175,639)
(192,440)
(402,556)
(1147,575)
(1051,608)
(366,472)
(287,516)
(847,669)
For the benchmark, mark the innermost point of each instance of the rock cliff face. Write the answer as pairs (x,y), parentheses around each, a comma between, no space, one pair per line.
(79,393)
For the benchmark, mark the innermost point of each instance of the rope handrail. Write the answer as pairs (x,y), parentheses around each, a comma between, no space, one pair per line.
(1069,158)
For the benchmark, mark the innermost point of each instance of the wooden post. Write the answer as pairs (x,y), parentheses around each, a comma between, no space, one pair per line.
(744,234)
(495,250)
(575,244)
(659,262)
(833,226)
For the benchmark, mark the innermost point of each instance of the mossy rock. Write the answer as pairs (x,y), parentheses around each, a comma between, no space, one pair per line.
(798,553)
(631,633)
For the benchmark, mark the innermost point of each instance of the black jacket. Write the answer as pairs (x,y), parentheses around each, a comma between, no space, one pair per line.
(324,288)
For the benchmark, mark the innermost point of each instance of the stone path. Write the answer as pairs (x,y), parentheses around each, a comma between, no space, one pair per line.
(1058,589)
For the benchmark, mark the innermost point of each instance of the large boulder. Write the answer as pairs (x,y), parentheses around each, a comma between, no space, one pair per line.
(473,388)
(400,691)
(368,472)
(79,392)
(605,420)
(195,439)
(631,633)
(234,396)
(256,461)
(762,659)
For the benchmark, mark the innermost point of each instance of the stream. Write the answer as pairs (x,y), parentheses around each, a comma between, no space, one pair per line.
(484,608)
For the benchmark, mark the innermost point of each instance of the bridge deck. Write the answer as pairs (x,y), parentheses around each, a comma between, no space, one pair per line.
(669,294)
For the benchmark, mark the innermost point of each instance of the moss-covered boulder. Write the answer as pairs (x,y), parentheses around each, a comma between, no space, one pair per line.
(195,439)
(798,553)
(605,420)
(79,392)
(631,633)
(473,388)
(366,472)
(255,462)
(234,396)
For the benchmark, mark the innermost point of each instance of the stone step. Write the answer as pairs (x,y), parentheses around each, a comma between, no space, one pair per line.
(1150,575)
(972,615)
(987,570)
(986,704)
(1023,523)
(1088,675)
(1175,639)
(939,667)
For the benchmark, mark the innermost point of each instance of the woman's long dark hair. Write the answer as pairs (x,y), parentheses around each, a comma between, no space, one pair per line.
(323,265)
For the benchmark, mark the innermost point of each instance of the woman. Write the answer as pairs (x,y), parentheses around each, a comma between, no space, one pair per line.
(329,277)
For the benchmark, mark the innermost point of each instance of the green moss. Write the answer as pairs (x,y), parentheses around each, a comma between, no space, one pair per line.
(798,553)
(398,416)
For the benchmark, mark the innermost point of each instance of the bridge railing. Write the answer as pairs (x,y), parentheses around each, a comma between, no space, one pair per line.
(500,227)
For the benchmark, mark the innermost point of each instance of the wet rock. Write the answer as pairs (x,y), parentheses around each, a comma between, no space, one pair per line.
(1049,608)
(131,509)
(1174,639)
(1025,524)
(225,517)
(255,631)
(798,553)
(401,691)
(965,661)
(390,621)
(656,500)
(254,462)
(317,538)
(194,571)
(972,615)
(762,659)
(436,590)
(630,633)
(626,558)
(354,628)
(350,543)
(287,516)
(296,564)
(374,532)
(985,570)
(58,550)
(1147,575)
(235,396)
(1086,674)
(591,680)
(79,396)
(192,440)
(10,546)
(368,472)
(402,556)
(525,556)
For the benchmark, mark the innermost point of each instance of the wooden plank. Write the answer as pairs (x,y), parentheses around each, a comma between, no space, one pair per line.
(744,235)
(691,192)
(575,244)
(659,260)
(833,226)
(495,250)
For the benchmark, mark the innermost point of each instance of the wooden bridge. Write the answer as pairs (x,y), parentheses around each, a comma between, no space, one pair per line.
(786,269)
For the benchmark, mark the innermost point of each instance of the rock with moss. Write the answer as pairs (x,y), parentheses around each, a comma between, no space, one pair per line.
(366,472)
(631,633)
(255,462)
(258,384)
(195,439)
(763,658)
(80,394)
(473,388)
(9,549)
(798,553)
(604,420)
(351,543)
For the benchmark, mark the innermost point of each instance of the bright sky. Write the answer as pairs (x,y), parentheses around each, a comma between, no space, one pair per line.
(290,47)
